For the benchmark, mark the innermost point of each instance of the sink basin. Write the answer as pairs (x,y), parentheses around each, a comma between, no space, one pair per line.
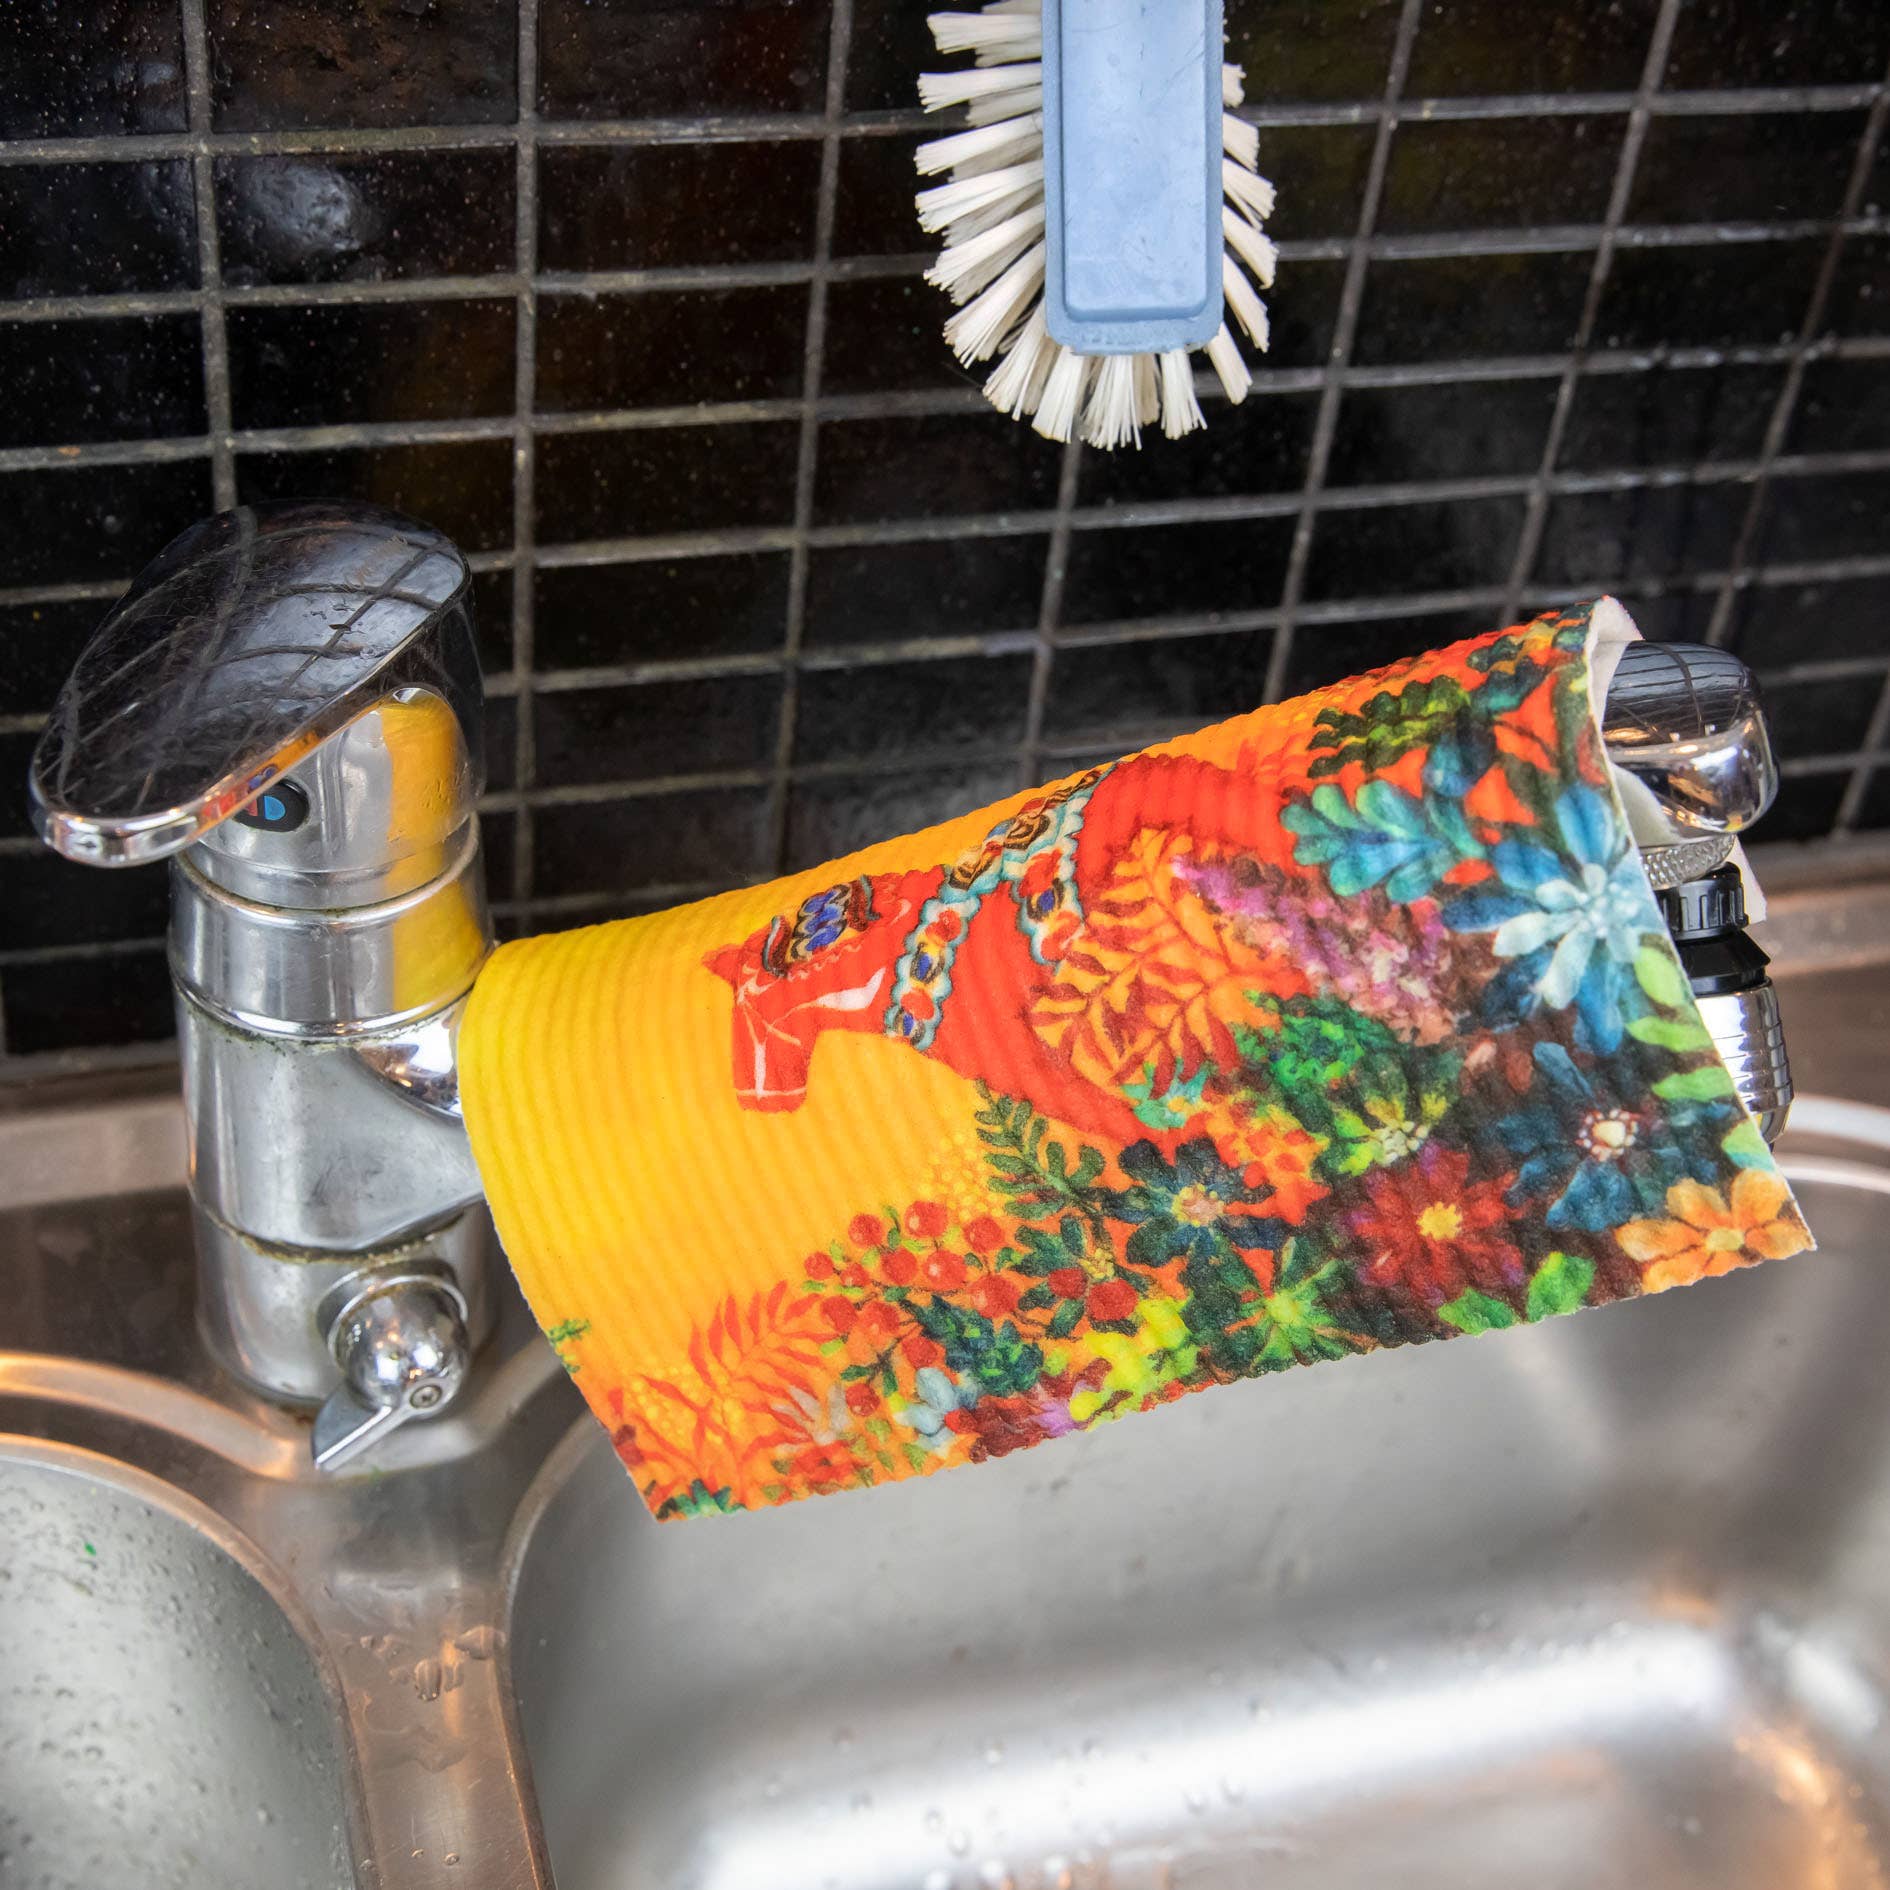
(1597,1603)
(161,1722)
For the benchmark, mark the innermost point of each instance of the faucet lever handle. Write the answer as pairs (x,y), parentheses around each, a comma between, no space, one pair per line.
(247,643)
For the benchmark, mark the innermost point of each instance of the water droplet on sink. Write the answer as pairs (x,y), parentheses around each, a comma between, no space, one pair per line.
(1690,1827)
(935,1819)
(771,1786)
(264,1815)
(958,1843)
(862,1802)
(1092,1748)
(1197,1800)
(452,1857)
(993,1753)
(843,1739)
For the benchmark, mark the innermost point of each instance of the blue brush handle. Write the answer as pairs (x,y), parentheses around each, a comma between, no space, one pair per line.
(1132,173)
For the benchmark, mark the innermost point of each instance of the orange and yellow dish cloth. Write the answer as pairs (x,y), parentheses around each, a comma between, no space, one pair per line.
(1347,1023)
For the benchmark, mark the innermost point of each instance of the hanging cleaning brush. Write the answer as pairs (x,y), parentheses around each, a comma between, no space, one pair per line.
(1103,211)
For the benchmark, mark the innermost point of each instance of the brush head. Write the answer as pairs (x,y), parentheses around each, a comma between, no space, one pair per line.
(1089,289)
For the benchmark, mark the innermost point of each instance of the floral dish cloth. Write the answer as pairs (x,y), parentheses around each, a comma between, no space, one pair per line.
(1345,1024)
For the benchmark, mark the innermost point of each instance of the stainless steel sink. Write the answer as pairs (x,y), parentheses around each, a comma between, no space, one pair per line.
(160,1715)
(1602,1603)
(1599,1603)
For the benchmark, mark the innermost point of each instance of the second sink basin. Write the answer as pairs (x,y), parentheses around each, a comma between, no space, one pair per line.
(1596,1603)
(161,1722)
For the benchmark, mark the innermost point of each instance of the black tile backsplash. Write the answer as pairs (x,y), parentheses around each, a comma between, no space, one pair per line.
(731,632)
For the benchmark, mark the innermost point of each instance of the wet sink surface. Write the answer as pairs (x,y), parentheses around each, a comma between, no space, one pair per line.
(1598,1603)
(161,1723)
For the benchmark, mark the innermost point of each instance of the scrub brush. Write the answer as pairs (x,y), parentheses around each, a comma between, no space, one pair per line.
(1103,212)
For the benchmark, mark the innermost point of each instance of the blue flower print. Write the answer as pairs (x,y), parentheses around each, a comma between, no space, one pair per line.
(1570,923)
(1605,1163)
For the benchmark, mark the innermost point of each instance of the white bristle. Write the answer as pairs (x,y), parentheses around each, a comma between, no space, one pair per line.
(1181,411)
(1148,390)
(984,147)
(1240,140)
(1224,356)
(1248,308)
(989,35)
(1010,188)
(1254,247)
(1062,396)
(1253,195)
(964,268)
(991,213)
(975,85)
(977,331)
(1017,382)
(1109,416)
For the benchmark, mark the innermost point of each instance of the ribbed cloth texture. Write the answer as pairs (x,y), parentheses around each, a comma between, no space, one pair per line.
(1342,1025)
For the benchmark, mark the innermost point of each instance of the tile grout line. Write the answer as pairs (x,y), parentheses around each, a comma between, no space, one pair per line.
(219,419)
(1056,571)
(1536,512)
(1345,329)
(753,128)
(1778,428)
(807,450)
(524,450)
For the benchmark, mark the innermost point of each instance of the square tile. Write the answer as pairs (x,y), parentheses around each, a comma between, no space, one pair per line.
(889,334)
(1392,550)
(1747,167)
(1448,430)
(661,610)
(1499,173)
(874,209)
(97,70)
(670,348)
(38,645)
(88,1003)
(1830,515)
(16,761)
(1326,653)
(1834,619)
(366,216)
(653,481)
(645,731)
(276,65)
(1819,718)
(1873,812)
(931,466)
(1598,538)
(1420,308)
(1806,808)
(1483,46)
(1260,446)
(1318,175)
(463,487)
(1860,296)
(89,522)
(1307,50)
(878,711)
(1843,407)
(1670,416)
(716,835)
(47,901)
(135,377)
(892,593)
(891,47)
(96,229)
(830,818)
(492,620)
(664,206)
(340,362)
(647,59)
(1144,571)
(1303,312)
(1731,43)
(501,732)
(1708,295)
(1125,695)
